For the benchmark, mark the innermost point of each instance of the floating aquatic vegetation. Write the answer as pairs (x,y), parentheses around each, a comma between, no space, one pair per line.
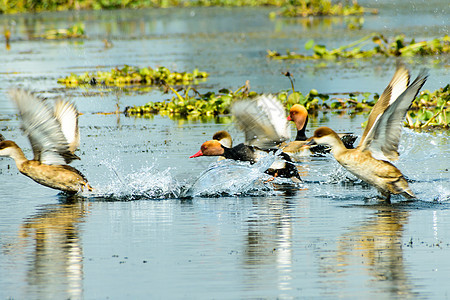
(317,101)
(129,75)
(430,109)
(192,103)
(306,8)
(381,47)
(75,31)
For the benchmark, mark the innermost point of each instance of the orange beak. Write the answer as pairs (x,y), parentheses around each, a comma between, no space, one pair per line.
(199,153)
(289,118)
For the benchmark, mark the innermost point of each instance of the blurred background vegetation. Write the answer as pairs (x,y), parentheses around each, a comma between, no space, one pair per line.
(290,7)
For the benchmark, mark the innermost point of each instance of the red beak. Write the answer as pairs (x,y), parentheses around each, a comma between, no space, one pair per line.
(289,118)
(199,153)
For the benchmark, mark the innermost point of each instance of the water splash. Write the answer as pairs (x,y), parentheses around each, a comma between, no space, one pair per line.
(234,178)
(145,183)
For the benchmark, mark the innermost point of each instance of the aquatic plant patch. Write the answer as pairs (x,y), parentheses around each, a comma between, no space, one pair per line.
(307,8)
(380,46)
(75,31)
(129,75)
(190,102)
(429,108)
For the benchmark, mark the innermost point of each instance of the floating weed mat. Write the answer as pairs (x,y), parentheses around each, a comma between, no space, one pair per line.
(381,47)
(430,109)
(307,8)
(73,32)
(128,75)
(189,102)
(192,103)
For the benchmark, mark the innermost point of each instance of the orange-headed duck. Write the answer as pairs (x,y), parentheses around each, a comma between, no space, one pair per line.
(299,148)
(379,142)
(265,126)
(54,136)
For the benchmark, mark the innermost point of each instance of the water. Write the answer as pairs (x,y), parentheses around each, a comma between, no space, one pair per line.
(161,225)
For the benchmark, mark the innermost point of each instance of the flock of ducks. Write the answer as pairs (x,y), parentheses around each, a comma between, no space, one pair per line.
(54,136)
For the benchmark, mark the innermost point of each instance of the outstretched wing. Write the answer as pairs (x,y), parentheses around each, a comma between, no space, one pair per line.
(42,128)
(67,115)
(263,121)
(383,138)
(395,88)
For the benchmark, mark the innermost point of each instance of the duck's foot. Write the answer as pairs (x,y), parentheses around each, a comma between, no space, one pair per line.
(269,180)
(378,199)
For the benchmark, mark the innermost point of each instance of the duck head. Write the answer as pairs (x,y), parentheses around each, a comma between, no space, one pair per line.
(324,136)
(224,138)
(210,148)
(7,148)
(299,115)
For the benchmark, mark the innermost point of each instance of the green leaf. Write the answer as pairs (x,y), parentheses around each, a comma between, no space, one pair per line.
(309,44)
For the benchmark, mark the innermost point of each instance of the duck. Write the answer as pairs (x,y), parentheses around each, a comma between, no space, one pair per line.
(265,127)
(298,148)
(371,160)
(54,136)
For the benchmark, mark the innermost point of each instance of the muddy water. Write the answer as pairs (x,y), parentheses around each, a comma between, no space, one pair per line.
(137,237)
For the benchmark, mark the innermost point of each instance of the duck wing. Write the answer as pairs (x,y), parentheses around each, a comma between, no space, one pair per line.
(263,121)
(67,115)
(384,135)
(395,88)
(42,128)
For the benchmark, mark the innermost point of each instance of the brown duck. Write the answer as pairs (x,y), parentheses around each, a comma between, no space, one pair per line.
(54,136)
(369,161)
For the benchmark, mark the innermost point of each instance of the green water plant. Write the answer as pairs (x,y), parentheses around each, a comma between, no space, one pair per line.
(188,101)
(75,31)
(306,8)
(380,46)
(191,102)
(430,109)
(129,75)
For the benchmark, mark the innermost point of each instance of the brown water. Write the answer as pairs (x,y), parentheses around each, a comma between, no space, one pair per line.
(139,236)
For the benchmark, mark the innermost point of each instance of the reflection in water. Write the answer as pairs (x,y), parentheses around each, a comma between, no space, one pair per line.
(269,246)
(55,265)
(376,246)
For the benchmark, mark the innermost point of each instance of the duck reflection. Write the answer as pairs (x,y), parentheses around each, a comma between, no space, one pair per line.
(269,244)
(55,264)
(377,246)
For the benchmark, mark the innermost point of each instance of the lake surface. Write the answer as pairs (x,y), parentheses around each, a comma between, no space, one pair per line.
(139,237)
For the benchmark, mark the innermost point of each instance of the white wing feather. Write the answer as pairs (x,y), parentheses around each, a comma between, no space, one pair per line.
(42,128)
(263,121)
(397,85)
(384,136)
(67,115)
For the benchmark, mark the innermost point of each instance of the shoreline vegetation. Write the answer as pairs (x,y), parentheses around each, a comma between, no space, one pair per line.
(287,8)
